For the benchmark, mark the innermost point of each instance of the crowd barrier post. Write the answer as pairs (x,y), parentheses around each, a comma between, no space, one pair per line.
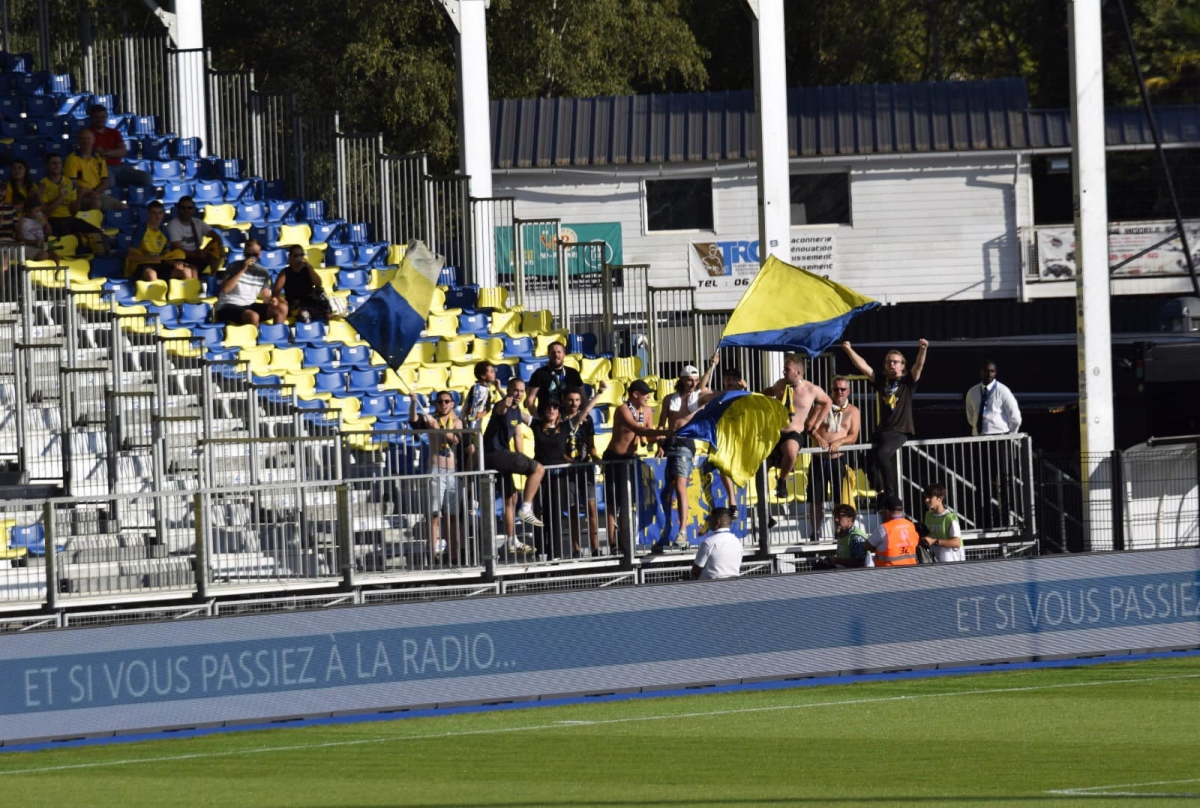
(51,570)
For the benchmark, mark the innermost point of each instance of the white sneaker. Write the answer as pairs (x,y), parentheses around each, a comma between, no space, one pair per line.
(517,547)
(526,516)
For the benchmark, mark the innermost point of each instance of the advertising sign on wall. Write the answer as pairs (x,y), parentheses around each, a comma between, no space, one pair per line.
(1163,255)
(540,242)
(734,263)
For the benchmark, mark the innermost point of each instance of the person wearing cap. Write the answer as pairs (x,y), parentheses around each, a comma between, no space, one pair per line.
(691,392)
(895,541)
(631,427)
(551,380)
(720,554)
(807,405)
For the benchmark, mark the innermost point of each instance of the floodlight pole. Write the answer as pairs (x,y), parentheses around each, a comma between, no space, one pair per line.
(188,67)
(1093,320)
(774,176)
(474,121)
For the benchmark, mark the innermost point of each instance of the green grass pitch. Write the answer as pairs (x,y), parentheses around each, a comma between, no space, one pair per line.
(1093,735)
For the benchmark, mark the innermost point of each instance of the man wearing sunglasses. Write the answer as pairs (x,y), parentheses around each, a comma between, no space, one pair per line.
(186,234)
(839,428)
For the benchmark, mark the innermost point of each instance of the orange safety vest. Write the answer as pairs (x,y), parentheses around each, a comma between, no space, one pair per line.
(901,544)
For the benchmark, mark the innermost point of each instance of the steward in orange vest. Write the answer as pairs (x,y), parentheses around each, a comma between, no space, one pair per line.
(895,541)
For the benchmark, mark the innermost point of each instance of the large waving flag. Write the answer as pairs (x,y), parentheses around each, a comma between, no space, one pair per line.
(742,429)
(791,309)
(392,319)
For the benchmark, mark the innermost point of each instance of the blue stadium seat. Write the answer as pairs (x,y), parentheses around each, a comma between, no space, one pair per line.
(108,101)
(191,168)
(168,315)
(273,189)
(61,83)
(31,537)
(194,314)
(38,106)
(354,356)
(525,368)
(166,171)
(449,277)
(265,234)
(11,107)
(375,405)
(140,196)
(12,128)
(16,62)
(187,147)
(372,255)
(358,233)
(237,191)
(334,382)
(253,212)
(273,260)
(211,192)
(582,343)
(277,334)
(231,169)
(29,151)
(353,279)
(234,240)
(309,333)
(341,255)
(364,382)
(325,232)
(281,211)
(472,323)
(157,149)
(143,126)
(174,191)
(462,297)
(518,347)
(36,83)
(320,357)
(60,147)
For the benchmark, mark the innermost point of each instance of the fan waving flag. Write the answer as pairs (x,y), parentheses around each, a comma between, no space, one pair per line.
(392,319)
(742,429)
(791,309)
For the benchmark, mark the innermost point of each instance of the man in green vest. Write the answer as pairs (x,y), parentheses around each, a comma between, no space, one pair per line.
(851,539)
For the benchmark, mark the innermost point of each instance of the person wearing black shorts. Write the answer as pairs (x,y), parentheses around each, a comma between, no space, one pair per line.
(504,431)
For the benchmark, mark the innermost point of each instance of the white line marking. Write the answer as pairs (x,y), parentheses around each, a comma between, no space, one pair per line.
(1106,791)
(600,722)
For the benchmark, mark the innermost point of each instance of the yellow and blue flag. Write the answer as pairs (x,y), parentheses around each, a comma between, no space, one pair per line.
(392,319)
(790,309)
(742,429)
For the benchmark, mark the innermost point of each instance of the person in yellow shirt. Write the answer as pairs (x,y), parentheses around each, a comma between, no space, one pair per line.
(90,174)
(150,254)
(20,185)
(61,198)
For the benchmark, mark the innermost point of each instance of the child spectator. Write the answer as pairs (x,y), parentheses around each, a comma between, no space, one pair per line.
(32,229)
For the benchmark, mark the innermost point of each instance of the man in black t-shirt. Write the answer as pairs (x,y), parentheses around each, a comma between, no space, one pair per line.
(894,390)
(551,380)
(504,429)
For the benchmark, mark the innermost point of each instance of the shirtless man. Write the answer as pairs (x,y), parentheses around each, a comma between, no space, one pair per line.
(807,405)
(630,429)
(839,428)
(443,485)
(691,392)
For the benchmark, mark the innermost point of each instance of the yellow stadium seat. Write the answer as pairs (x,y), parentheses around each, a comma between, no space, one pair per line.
(290,360)
(342,331)
(491,349)
(506,322)
(396,254)
(93,217)
(444,326)
(438,304)
(79,277)
(492,297)
(571,360)
(593,371)
(542,342)
(315,255)
(537,322)
(462,377)
(423,353)
(603,438)
(223,216)
(431,378)
(612,395)
(401,380)
(377,359)
(187,291)
(238,336)
(626,368)
(64,245)
(291,235)
(304,384)
(380,278)
(456,349)
(151,291)
(328,276)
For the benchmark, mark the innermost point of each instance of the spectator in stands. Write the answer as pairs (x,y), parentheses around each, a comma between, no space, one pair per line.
(851,550)
(554,432)
(992,409)
(32,229)
(150,254)
(245,293)
(186,234)
(942,533)
(581,450)
(20,184)
(478,403)
(502,437)
(691,392)
(806,405)
(630,431)
(110,145)
(731,382)
(90,173)
(840,428)
(443,485)
(720,554)
(61,198)
(300,284)
(895,541)
(552,379)
(894,389)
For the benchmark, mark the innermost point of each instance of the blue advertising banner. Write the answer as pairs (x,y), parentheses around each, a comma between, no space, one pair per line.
(96,680)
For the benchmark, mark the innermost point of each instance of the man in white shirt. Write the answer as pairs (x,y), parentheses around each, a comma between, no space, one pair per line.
(720,554)
(186,233)
(991,407)
(992,410)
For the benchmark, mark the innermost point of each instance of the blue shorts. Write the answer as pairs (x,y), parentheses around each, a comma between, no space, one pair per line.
(680,458)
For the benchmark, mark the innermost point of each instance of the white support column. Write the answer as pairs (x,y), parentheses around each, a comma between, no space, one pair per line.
(187,68)
(774,178)
(1093,337)
(474,122)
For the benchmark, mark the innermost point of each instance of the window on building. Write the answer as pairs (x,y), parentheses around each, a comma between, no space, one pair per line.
(679,204)
(1136,189)
(820,198)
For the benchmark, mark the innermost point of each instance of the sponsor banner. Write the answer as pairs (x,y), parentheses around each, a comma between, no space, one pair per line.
(125,678)
(1056,249)
(540,243)
(734,263)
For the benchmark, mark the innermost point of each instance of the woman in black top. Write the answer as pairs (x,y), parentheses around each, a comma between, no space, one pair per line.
(301,285)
